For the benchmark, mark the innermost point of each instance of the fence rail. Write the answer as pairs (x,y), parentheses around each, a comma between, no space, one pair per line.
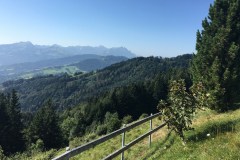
(93,143)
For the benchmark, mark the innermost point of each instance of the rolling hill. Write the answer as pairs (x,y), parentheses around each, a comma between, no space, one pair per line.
(69,90)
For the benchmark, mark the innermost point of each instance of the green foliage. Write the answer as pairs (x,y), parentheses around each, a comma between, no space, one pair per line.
(144,115)
(77,141)
(178,113)
(45,127)
(101,129)
(125,91)
(11,137)
(133,100)
(182,104)
(112,122)
(67,125)
(4,122)
(222,143)
(15,142)
(80,125)
(34,154)
(2,156)
(38,146)
(216,63)
(66,91)
(127,119)
(200,96)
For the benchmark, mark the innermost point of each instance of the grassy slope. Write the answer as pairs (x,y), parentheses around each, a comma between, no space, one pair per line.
(52,70)
(223,142)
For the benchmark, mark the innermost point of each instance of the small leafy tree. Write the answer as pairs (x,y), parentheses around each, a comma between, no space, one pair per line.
(181,106)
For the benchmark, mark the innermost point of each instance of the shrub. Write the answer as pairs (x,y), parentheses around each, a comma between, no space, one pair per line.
(127,119)
(144,115)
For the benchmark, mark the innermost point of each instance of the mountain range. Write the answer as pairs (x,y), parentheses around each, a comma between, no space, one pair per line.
(27,52)
(25,60)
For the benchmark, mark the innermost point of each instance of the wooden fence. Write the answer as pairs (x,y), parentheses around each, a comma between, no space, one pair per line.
(80,149)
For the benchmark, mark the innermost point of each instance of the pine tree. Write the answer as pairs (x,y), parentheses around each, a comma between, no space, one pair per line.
(16,142)
(4,121)
(11,136)
(45,127)
(216,63)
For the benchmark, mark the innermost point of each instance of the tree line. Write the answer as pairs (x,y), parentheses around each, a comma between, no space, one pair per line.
(50,128)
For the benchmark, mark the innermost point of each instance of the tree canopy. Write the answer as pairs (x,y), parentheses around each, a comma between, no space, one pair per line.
(45,127)
(11,136)
(216,63)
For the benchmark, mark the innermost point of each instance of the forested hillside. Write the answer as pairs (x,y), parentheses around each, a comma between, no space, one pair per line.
(41,115)
(66,91)
(95,103)
(70,65)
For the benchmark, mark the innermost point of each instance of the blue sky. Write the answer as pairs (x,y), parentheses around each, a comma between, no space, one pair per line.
(146,27)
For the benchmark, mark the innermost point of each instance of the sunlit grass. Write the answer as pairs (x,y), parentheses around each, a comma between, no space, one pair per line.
(223,141)
(110,146)
(52,70)
(64,69)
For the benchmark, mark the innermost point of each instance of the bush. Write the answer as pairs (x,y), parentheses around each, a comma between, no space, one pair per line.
(112,122)
(101,129)
(39,145)
(2,156)
(127,119)
(144,115)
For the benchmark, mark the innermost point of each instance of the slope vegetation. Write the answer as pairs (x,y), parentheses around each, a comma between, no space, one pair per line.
(66,90)
(68,65)
(215,136)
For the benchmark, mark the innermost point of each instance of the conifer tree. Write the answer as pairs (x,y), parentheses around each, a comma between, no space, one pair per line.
(45,127)
(4,121)
(217,62)
(11,136)
(16,142)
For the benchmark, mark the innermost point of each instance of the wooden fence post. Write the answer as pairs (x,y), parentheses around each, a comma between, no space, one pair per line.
(123,142)
(150,136)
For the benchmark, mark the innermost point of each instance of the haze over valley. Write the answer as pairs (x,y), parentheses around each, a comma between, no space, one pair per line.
(25,60)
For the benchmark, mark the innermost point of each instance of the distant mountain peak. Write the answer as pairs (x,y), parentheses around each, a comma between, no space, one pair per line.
(27,52)
(24,43)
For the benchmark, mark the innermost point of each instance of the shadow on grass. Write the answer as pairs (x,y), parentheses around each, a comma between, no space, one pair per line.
(163,145)
(212,129)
